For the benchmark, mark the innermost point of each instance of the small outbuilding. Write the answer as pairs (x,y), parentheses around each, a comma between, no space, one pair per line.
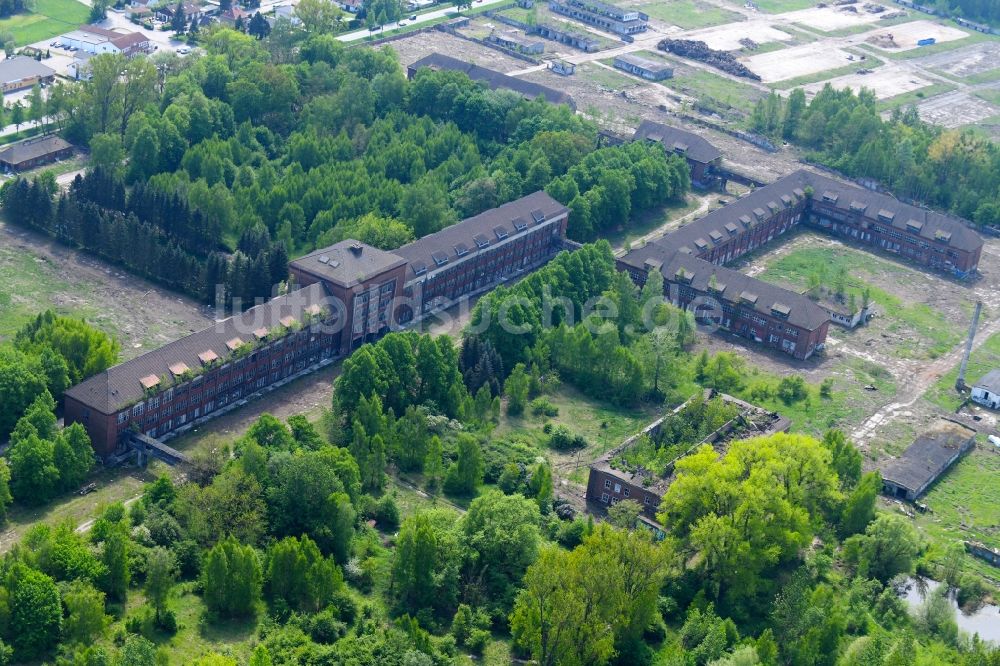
(647,68)
(931,454)
(34,152)
(22,72)
(986,391)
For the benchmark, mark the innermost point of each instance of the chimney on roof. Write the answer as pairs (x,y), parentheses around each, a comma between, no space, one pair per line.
(356,249)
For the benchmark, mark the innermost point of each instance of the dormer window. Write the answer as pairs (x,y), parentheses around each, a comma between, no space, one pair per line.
(440,258)
(500,232)
(914,226)
(419,268)
(538,216)
(461,249)
(886,215)
(234,344)
(260,333)
(780,310)
(481,241)
(149,382)
(178,369)
(208,356)
(520,224)
(748,297)
(830,197)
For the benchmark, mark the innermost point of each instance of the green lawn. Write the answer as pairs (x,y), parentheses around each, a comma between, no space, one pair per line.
(28,284)
(990,95)
(689,14)
(965,504)
(914,96)
(713,90)
(981,77)
(604,426)
(49,19)
(926,331)
(649,221)
(849,403)
(868,63)
(609,78)
(982,360)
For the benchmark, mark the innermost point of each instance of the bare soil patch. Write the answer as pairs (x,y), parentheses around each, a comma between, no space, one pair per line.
(797,61)
(967,61)
(886,81)
(956,109)
(906,35)
(38,273)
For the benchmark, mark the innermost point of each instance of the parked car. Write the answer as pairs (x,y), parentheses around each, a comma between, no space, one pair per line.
(413,17)
(183,50)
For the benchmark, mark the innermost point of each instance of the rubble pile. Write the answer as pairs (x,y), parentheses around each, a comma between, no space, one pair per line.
(700,51)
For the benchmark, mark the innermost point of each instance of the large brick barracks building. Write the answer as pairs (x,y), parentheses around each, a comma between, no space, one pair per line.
(344,295)
(350,293)
(692,258)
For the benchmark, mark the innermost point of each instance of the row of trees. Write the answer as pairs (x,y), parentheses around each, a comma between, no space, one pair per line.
(46,356)
(955,170)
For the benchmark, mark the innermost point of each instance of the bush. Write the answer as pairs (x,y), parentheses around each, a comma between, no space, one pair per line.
(326,628)
(971,591)
(387,512)
(477,641)
(562,439)
(541,406)
(168,622)
(826,388)
(792,389)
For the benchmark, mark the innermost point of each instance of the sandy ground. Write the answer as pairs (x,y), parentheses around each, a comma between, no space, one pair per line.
(906,35)
(887,81)
(955,109)
(727,37)
(966,61)
(416,47)
(796,61)
(143,315)
(829,19)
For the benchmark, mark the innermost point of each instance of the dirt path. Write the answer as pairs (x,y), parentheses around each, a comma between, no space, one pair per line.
(703,207)
(917,385)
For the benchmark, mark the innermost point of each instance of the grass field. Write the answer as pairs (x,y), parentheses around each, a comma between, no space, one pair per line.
(914,96)
(604,426)
(983,77)
(982,360)
(965,504)
(27,282)
(688,14)
(606,76)
(715,90)
(915,320)
(50,18)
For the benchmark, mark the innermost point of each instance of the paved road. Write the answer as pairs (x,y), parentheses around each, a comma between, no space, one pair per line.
(421,18)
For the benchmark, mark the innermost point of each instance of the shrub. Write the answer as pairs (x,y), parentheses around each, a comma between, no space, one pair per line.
(477,640)
(562,439)
(792,389)
(387,512)
(542,407)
